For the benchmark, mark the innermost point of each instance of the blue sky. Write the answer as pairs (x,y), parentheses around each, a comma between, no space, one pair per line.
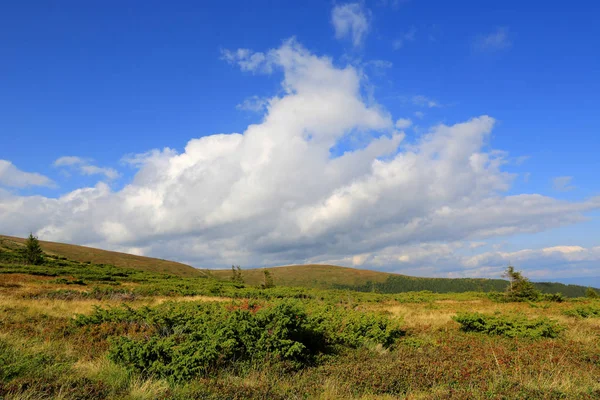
(102,82)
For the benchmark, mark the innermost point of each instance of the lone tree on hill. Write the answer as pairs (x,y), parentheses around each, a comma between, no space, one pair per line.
(33,251)
(519,288)
(590,293)
(236,274)
(267,280)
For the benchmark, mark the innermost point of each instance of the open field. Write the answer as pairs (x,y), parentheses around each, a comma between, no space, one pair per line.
(89,331)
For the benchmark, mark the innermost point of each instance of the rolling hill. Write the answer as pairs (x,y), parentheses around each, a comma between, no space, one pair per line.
(310,275)
(334,277)
(97,256)
(307,276)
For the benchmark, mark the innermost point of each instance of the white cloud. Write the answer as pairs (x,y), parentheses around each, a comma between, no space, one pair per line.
(248,60)
(68,161)
(351,20)
(109,173)
(84,167)
(409,36)
(419,114)
(254,104)
(273,194)
(11,176)
(403,123)
(497,40)
(563,183)
(455,260)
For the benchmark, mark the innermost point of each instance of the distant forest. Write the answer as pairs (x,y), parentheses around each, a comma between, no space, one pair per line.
(399,284)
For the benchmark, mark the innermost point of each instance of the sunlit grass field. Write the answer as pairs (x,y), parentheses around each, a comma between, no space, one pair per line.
(76,330)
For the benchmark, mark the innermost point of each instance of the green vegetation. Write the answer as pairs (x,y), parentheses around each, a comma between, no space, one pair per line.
(590,293)
(236,275)
(509,326)
(33,251)
(586,311)
(519,288)
(267,282)
(333,277)
(184,341)
(71,329)
(82,254)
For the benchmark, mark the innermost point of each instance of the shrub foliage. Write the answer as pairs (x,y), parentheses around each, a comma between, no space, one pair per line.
(509,326)
(199,339)
(33,251)
(588,311)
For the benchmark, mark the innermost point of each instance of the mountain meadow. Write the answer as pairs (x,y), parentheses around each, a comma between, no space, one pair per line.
(83,323)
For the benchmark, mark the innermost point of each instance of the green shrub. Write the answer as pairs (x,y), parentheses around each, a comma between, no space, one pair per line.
(509,326)
(198,339)
(353,328)
(555,297)
(590,293)
(588,311)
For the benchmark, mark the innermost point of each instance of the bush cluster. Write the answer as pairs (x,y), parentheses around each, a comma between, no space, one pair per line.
(199,339)
(509,326)
(588,311)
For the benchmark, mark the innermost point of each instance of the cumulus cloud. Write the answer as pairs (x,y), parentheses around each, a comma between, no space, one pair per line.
(497,40)
(456,260)
(275,194)
(84,167)
(350,20)
(11,176)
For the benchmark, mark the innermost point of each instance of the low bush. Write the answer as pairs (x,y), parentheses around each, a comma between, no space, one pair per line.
(200,339)
(587,311)
(555,297)
(98,293)
(509,326)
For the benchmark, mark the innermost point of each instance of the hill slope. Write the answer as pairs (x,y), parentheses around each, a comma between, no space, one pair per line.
(334,277)
(97,256)
(313,276)
(308,276)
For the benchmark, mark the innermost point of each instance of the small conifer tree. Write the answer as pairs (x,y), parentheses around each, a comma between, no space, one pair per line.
(519,288)
(590,293)
(236,275)
(33,251)
(267,280)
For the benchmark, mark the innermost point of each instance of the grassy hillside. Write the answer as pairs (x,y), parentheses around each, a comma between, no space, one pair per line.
(312,276)
(334,277)
(87,254)
(72,330)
